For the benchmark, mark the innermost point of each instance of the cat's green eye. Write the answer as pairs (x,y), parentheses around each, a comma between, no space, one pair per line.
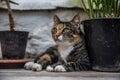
(54,30)
(67,30)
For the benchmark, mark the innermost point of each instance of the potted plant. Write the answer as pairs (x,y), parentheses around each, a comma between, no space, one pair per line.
(102,34)
(13,43)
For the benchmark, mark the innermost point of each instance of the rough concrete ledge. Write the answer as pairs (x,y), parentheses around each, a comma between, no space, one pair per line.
(20,74)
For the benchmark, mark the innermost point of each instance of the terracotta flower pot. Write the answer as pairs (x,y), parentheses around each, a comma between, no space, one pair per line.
(12,64)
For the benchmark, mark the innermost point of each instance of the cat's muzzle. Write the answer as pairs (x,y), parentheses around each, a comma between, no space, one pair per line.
(58,38)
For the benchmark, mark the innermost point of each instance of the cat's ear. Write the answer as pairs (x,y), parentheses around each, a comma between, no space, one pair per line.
(76,19)
(56,19)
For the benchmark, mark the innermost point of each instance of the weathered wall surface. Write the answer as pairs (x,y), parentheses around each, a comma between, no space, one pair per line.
(39,24)
(42,4)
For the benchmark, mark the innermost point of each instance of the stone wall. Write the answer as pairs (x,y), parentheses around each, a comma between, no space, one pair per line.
(39,24)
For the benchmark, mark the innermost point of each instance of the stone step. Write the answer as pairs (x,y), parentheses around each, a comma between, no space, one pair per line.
(20,74)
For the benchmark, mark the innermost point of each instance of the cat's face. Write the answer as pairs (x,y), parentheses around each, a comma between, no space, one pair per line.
(67,31)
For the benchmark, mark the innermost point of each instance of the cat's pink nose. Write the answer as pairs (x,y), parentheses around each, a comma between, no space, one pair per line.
(57,35)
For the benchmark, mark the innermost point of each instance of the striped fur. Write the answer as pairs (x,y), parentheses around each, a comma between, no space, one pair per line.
(70,52)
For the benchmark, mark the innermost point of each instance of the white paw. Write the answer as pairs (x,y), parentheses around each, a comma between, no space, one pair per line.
(60,68)
(28,65)
(37,67)
(49,68)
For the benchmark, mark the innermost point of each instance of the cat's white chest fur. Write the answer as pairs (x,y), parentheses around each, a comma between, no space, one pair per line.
(65,49)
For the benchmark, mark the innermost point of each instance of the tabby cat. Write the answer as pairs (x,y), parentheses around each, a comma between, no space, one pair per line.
(69,54)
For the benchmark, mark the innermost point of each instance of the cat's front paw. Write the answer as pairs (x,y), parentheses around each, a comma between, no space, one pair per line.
(49,68)
(60,68)
(28,65)
(37,67)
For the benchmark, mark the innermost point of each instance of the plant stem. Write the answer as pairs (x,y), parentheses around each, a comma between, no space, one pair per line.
(10,14)
(90,4)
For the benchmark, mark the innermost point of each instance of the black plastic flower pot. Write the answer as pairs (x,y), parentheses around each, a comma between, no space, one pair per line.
(13,44)
(102,38)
